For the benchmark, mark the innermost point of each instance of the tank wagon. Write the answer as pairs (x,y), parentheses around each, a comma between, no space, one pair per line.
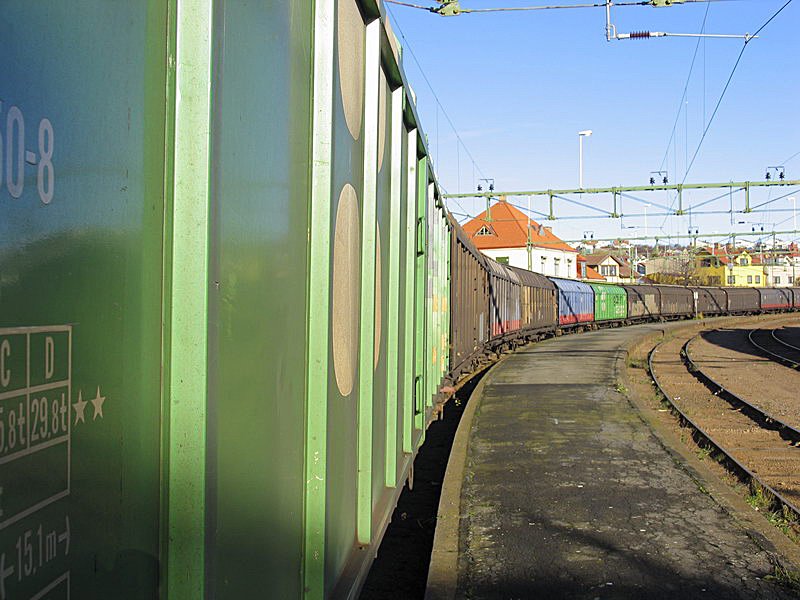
(231,298)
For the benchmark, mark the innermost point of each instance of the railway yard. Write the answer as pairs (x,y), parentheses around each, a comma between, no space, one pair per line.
(737,387)
(672,472)
(241,326)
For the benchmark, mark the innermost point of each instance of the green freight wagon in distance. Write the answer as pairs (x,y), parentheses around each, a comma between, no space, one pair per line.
(223,296)
(610,302)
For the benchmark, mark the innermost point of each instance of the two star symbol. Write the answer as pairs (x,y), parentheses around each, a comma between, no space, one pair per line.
(80,406)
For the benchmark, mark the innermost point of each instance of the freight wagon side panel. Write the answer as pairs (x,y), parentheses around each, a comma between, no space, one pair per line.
(676,300)
(795,291)
(743,300)
(643,301)
(538,301)
(257,328)
(352,215)
(468,300)
(709,301)
(82,180)
(774,298)
(610,302)
(575,301)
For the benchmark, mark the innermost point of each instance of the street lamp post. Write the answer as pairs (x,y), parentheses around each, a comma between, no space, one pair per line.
(581,135)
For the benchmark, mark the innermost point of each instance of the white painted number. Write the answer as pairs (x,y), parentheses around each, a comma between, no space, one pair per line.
(5,374)
(15,181)
(45,162)
(13,156)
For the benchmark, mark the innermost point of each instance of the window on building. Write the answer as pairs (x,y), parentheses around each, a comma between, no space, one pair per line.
(749,279)
(758,278)
(777,279)
(484,231)
(583,270)
(731,279)
(745,262)
(790,279)
(557,264)
(715,280)
(503,260)
(608,270)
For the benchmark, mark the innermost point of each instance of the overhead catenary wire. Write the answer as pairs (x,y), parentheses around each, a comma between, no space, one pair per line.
(722,95)
(459,10)
(727,84)
(407,45)
(683,97)
(792,157)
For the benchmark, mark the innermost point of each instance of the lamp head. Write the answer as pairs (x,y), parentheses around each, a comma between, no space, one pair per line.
(585,132)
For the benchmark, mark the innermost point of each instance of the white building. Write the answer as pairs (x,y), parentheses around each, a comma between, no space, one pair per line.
(507,235)
(783,271)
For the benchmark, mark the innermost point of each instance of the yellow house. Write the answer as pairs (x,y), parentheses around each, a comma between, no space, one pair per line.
(714,266)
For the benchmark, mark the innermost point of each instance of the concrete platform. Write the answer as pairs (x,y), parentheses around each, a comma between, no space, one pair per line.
(567,493)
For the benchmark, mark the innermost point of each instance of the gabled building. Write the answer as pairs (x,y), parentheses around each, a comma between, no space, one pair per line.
(783,270)
(507,235)
(588,273)
(729,267)
(612,268)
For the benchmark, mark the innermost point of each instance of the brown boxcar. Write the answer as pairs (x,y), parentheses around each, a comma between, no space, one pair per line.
(504,300)
(469,302)
(710,300)
(743,300)
(676,301)
(775,298)
(538,302)
(644,302)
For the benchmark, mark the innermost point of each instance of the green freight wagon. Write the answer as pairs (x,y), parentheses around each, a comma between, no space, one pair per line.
(610,302)
(223,268)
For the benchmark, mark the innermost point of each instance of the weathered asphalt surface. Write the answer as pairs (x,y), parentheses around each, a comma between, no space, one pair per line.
(568,494)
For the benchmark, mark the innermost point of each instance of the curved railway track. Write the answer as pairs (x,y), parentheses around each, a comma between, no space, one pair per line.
(753,409)
(781,339)
(777,349)
(760,448)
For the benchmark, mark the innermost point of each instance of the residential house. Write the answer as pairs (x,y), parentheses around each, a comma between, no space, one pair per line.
(506,234)
(588,273)
(613,268)
(729,267)
(782,271)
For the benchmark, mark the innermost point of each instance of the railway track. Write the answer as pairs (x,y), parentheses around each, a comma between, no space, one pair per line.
(783,338)
(766,341)
(762,448)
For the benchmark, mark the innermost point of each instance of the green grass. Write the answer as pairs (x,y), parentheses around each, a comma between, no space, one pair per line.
(785,577)
(637,363)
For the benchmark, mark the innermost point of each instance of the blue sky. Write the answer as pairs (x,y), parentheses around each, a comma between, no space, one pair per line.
(519,86)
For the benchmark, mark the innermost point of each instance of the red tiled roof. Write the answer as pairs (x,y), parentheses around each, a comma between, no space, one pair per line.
(591,273)
(509,230)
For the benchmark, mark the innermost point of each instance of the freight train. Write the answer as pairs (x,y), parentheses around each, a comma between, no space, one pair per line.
(496,307)
(230,297)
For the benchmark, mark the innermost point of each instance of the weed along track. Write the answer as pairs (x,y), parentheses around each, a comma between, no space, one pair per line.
(754,437)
